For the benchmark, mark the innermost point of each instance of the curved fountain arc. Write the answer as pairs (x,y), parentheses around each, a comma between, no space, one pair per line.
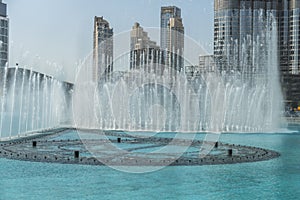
(26,101)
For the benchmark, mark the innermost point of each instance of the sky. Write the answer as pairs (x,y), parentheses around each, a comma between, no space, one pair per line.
(59,33)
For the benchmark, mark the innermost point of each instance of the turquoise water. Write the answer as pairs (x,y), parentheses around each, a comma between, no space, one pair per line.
(275,179)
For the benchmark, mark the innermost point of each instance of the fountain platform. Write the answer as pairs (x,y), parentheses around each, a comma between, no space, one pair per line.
(64,146)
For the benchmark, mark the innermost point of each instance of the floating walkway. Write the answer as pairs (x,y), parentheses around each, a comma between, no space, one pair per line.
(61,146)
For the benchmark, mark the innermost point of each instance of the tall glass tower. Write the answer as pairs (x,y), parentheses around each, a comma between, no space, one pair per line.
(291,75)
(172,36)
(294,31)
(238,24)
(3,35)
(103,48)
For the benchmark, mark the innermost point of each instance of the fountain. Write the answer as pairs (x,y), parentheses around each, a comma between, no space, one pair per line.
(155,97)
(117,116)
(151,96)
(30,101)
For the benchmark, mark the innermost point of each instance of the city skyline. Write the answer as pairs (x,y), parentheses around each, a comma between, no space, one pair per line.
(75,27)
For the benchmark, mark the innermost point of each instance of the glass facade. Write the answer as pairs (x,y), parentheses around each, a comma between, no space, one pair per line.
(294,41)
(3,35)
(240,24)
(172,37)
(165,15)
(226,36)
(292,77)
(237,26)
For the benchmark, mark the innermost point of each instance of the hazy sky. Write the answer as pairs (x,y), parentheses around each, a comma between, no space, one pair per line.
(61,31)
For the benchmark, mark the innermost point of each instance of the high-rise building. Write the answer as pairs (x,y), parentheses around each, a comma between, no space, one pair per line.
(143,51)
(3,35)
(172,36)
(291,72)
(103,48)
(240,24)
(294,37)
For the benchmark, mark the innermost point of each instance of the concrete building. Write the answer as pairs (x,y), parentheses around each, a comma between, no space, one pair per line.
(3,35)
(172,36)
(102,48)
(192,71)
(240,22)
(206,63)
(143,51)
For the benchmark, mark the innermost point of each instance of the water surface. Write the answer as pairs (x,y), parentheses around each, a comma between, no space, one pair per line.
(274,179)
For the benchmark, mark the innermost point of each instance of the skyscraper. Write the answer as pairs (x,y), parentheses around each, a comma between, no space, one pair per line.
(143,51)
(294,37)
(238,26)
(239,23)
(103,48)
(172,36)
(3,35)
